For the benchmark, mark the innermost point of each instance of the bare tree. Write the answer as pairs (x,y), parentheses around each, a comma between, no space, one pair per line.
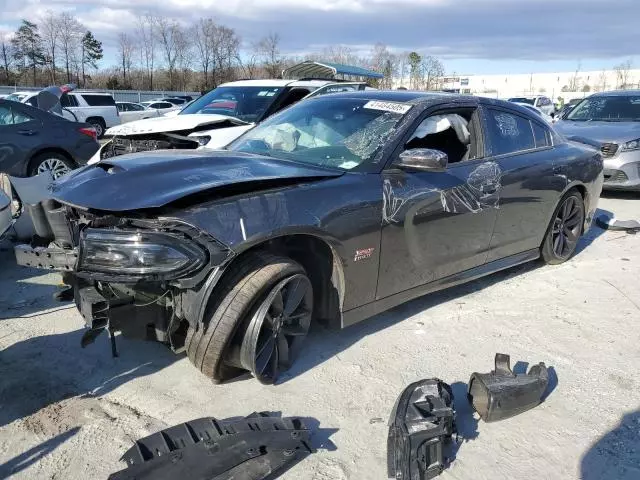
(6,56)
(385,62)
(173,44)
(432,73)
(622,74)
(574,81)
(126,49)
(71,32)
(337,54)
(147,40)
(268,48)
(226,54)
(51,32)
(204,34)
(602,81)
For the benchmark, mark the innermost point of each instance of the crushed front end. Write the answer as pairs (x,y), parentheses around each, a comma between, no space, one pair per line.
(138,276)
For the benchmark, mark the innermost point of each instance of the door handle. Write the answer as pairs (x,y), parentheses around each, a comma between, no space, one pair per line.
(27,132)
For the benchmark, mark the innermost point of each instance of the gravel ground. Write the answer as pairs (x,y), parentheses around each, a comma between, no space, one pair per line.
(68,413)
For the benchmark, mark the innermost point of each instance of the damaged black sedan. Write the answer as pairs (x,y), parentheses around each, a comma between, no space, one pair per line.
(333,210)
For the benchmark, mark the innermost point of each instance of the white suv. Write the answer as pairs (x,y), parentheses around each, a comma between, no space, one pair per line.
(97,109)
(218,117)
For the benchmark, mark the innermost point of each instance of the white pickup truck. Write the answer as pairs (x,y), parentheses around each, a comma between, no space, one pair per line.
(95,108)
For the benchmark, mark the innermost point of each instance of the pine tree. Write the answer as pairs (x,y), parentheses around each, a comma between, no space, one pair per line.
(27,48)
(91,53)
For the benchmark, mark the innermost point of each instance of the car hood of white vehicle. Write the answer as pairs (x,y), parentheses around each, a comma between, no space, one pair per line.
(171,124)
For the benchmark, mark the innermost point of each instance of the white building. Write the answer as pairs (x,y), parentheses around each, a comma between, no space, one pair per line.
(566,84)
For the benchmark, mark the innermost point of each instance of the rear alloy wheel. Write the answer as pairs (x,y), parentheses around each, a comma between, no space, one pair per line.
(277,328)
(563,234)
(55,163)
(98,125)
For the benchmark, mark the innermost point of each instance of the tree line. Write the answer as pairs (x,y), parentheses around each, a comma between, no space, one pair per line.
(159,53)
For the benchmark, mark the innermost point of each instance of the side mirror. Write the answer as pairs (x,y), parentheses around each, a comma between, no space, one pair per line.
(423,159)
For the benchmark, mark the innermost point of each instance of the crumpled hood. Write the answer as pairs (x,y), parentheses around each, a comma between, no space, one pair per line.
(155,179)
(171,124)
(597,133)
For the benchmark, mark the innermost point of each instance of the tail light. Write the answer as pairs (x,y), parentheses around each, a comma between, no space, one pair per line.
(90,131)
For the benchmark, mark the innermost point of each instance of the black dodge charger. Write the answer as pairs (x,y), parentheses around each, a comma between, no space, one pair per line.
(333,210)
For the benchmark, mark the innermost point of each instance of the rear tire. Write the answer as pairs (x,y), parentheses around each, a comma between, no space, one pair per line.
(215,347)
(57,163)
(564,231)
(99,125)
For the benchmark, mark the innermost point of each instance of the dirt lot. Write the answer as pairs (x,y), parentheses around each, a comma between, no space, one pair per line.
(67,413)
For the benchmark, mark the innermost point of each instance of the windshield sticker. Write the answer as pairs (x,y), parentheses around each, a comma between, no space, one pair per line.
(388,106)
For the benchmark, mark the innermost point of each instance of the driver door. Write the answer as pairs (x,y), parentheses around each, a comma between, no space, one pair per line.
(438,223)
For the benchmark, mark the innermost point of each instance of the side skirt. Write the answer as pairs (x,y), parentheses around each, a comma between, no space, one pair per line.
(363,312)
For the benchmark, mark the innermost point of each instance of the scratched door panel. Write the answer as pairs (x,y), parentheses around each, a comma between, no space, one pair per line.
(436,224)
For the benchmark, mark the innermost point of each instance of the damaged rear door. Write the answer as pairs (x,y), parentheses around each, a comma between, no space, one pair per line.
(436,224)
(530,188)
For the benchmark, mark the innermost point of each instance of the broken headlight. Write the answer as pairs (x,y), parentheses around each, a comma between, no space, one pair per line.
(138,254)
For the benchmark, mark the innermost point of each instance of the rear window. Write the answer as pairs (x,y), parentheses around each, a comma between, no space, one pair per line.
(99,100)
(68,101)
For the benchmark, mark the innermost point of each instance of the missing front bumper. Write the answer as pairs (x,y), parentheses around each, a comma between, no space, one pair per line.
(46,257)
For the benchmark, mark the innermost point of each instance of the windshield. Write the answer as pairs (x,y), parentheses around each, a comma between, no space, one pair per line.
(16,97)
(245,103)
(530,101)
(342,133)
(619,108)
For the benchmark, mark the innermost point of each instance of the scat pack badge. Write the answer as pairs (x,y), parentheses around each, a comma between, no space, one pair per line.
(363,254)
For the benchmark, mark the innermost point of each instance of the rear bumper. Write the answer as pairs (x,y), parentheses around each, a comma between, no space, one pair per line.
(622,172)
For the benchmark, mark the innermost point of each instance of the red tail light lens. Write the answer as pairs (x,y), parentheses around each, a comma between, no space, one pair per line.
(89,131)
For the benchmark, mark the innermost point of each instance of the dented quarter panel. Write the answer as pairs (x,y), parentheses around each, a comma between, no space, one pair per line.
(345,212)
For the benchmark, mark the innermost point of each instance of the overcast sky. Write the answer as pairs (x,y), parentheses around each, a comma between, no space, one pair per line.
(470,36)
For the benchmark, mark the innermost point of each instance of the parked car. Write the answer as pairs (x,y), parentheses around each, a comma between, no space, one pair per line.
(33,140)
(159,105)
(536,110)
(176,101)
(610,122)
(539,101)
(334,210)
(97,109)
(130,111)
(216,118)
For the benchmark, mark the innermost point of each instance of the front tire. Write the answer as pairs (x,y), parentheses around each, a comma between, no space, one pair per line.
(561,240)
(245,331)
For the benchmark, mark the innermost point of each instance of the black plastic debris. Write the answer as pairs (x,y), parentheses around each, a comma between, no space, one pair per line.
(256,447)
(420,429)
(608,223)
(502,394)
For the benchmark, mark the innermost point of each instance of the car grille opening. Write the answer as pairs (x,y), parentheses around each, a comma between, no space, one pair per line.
(614,176)
(124,145)
(609,149)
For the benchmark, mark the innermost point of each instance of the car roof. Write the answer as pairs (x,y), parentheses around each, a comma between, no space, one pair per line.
(617,93)
(278,82)
(404,96)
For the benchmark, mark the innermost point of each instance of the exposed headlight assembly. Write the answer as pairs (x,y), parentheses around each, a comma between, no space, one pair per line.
(139,255)
(201,139)
(631,145)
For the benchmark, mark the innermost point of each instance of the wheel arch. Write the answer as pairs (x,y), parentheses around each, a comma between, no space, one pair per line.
(322,263)
(44,150)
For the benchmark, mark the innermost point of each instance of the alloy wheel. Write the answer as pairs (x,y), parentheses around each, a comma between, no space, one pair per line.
(279,325)
(566,227)
(54,165)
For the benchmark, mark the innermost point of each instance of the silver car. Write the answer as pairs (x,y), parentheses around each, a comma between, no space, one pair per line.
(610,122)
